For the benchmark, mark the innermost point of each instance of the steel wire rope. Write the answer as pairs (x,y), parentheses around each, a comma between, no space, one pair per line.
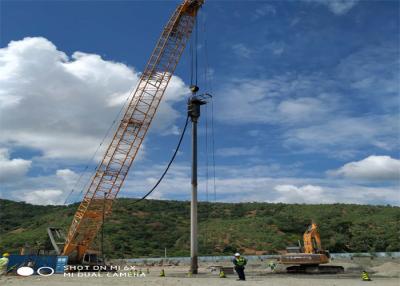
(210,87)
(97,150)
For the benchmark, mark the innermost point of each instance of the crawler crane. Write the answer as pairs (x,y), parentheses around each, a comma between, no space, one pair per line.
(113,168)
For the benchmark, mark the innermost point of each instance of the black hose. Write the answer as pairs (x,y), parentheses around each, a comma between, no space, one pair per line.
(169,164)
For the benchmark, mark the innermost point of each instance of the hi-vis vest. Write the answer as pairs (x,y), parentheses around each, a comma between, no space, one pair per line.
(240,261)
(3,263)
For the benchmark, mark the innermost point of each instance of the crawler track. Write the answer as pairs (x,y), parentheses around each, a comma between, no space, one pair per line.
(315,269)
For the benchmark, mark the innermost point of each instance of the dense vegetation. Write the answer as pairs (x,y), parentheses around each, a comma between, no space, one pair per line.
(146,228)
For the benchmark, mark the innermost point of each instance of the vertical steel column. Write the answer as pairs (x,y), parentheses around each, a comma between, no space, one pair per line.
(194,113)
(193,205)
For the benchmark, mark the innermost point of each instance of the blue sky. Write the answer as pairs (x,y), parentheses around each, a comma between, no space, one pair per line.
(306,98)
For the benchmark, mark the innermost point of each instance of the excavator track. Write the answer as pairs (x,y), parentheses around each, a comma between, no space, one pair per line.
(315,269)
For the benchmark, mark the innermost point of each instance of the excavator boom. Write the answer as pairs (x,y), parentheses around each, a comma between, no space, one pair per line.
(113,168)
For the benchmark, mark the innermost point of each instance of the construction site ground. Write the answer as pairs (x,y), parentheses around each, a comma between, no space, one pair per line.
(384,272)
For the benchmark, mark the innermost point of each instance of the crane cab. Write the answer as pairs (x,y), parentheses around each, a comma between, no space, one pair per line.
(90,259)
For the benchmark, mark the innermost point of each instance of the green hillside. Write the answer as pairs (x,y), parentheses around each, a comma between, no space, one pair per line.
(146,228)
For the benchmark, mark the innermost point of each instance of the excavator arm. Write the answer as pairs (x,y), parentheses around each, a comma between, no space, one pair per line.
(113,168)
(312,240)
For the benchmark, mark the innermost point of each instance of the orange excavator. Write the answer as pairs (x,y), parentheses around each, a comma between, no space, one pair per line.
(307,258)
(120,154)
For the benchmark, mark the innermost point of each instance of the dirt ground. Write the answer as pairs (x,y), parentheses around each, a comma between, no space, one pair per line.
(58,280)
(385,272)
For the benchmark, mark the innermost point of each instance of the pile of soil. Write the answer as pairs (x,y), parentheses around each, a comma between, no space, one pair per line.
(388,269)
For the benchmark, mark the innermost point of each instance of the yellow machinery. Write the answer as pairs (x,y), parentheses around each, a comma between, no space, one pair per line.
(312,240)
(120,154)
(307,259)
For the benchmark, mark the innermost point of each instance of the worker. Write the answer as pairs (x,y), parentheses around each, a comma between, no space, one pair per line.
(272,265)
(239,263)
(4,263)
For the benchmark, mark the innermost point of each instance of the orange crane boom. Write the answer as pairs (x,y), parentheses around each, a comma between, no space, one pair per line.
(113,169)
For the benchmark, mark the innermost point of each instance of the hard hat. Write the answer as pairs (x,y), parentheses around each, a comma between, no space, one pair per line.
(6,254)
(237,254)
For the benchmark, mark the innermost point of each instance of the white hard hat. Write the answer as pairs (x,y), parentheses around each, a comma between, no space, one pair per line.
(237,254)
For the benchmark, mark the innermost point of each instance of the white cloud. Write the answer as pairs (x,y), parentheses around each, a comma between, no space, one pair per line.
(68,176)
(341,7)
(264,10)
(281,99)
(276,48)
(339,113)
(44,197)
(63,106)
(241,50)
(338,7)
(237,151)
(302,194)
(303,109)
(346,134)
(371,168)
(12,169)
(261,183)
(44,189)
(372,72)
(266,183)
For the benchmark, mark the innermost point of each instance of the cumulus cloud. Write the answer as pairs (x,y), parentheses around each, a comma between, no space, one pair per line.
(263,183)
(12,169)
(63,105)
(302,194)
(44,189)
(44,197)
(371,168)
(68,176)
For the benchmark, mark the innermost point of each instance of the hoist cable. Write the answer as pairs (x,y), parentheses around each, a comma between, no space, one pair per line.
(208,85)
(196,48)
(213,149)
(206,146)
